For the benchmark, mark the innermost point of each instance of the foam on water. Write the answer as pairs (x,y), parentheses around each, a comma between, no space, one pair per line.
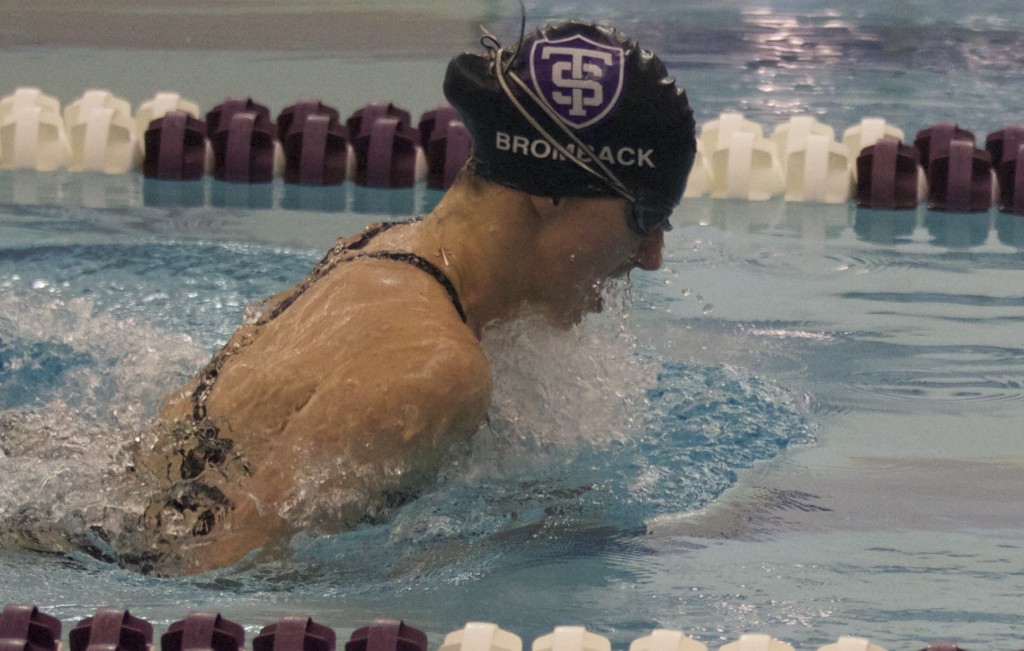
(80,387)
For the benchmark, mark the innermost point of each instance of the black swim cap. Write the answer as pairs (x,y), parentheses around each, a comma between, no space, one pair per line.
(576,109)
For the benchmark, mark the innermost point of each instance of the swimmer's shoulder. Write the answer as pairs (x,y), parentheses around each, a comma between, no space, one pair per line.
(386,291)
(423,358)
(386,330)
(419,334)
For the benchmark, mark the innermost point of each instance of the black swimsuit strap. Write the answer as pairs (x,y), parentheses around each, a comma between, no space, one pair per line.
(423,264)
(373,231)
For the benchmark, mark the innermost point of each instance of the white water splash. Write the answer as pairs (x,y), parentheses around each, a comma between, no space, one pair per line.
(91,396)
(557,389)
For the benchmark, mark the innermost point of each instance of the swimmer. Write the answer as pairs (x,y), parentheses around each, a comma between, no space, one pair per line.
(339,398)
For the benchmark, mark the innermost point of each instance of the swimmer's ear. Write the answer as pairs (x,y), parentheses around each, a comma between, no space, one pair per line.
(545,206)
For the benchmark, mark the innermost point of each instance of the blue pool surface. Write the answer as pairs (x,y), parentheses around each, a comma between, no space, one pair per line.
(807,424)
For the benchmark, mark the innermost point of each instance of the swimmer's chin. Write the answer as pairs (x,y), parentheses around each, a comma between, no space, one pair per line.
(568,319)
(566,315)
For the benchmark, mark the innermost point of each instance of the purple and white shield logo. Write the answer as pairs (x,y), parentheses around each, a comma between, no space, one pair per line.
(578,78)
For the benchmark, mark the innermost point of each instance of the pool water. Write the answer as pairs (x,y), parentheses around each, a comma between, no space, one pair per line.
(806,424)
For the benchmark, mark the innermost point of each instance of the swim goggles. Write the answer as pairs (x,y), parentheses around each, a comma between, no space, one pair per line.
(643,217)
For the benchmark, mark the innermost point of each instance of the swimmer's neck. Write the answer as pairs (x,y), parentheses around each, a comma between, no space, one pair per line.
(487,244)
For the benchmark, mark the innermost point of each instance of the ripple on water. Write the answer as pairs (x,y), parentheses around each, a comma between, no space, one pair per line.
(185,287)
(946,378)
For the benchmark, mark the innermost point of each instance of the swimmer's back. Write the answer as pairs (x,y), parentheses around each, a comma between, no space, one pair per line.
(359,387)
